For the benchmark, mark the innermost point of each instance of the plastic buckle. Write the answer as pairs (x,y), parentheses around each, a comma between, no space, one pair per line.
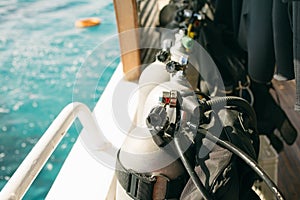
(133,185)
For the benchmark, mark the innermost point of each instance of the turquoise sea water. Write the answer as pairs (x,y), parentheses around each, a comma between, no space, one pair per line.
(41,55)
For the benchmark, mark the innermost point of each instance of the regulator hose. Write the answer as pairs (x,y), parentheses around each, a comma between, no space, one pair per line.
(220,102)
(247,159)
(193,175)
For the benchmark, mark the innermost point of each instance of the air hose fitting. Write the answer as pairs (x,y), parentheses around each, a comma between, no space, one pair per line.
(218,103)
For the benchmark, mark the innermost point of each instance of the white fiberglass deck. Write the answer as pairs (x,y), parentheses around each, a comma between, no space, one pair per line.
(82,176)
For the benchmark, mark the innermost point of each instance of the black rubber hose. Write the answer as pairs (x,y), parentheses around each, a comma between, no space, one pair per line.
(220,102)
(196,180)
(247,159)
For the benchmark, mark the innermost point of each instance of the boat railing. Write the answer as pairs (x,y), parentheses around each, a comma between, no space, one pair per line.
(26,173)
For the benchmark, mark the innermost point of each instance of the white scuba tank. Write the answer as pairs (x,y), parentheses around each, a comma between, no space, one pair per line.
(139,152)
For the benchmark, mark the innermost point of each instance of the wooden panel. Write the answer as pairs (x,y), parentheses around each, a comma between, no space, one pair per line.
(289,158)
(127,22)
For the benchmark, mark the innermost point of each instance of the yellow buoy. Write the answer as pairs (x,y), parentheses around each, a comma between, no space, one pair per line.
(88,22)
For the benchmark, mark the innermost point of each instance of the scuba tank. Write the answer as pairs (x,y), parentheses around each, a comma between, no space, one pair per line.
(142,163)
(147,166)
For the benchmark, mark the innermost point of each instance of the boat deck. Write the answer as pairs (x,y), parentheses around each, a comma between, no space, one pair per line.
(289,158)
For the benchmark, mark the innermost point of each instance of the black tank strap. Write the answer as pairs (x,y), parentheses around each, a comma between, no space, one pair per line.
(140,186)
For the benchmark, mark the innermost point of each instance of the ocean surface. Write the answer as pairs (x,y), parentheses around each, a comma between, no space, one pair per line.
(45,64)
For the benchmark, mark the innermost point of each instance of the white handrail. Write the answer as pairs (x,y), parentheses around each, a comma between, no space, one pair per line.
(21,180)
